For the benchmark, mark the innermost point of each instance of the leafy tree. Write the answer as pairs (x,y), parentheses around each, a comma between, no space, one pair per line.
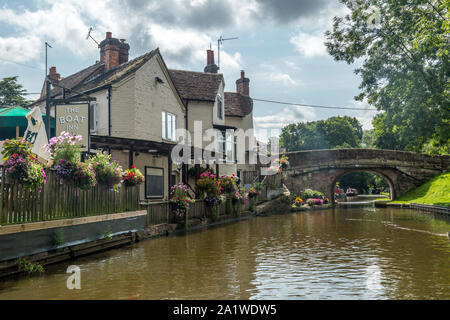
(368,139)
(335,132)
(402,47)
(12,93)
(363,181)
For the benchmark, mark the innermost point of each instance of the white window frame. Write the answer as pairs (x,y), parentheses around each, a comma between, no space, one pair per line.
(169,127)
(219,106)
(220,140)
(230,148)
(225,143)
(93,114)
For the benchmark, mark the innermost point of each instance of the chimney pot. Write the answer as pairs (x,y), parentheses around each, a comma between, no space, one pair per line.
(242,84)
(113,51)
(53,74)
(210,65)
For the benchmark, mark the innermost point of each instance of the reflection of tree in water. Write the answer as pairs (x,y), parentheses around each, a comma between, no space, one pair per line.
(363,182)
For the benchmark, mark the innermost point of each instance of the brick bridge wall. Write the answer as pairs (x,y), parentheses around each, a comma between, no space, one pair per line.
(321,169)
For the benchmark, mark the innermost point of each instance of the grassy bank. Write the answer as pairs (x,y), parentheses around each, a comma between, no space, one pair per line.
(435,191)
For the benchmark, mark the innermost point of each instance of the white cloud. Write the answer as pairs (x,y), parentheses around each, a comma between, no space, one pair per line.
(19,49)
(309,41)
(290,114)
(61,25)
(175,43)
(64,24)
(364,117)
(283,78)
(275,75)
(292,65)
(309,45)
(271,125)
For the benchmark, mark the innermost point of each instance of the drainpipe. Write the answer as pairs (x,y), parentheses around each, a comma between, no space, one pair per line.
(130,158)
(184,176)
(109,111)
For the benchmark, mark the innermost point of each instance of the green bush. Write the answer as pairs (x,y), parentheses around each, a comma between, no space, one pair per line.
(107,172)
(84,176)
(312,194)
(29,267)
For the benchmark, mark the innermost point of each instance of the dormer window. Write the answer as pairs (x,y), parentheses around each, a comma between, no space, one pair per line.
(219,106)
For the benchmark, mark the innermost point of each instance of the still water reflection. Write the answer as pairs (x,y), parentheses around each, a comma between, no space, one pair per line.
(358,253)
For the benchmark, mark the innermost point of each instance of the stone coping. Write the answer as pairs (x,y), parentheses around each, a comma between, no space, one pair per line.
(32,226)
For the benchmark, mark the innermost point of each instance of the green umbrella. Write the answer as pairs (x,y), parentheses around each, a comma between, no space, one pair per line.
(15,117)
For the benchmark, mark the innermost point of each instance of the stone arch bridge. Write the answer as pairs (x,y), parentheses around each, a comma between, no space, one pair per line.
(321,169)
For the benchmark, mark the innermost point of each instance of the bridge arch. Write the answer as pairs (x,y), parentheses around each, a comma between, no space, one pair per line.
(321,169)
(345,172)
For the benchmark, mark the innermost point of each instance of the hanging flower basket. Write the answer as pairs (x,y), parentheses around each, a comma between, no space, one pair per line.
(132,177)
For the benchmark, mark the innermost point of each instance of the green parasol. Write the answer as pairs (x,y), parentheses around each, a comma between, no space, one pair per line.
(13,117)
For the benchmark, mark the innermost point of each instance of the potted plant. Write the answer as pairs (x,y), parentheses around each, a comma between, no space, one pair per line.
(229,188)
(207,185)
(132,177)
(108,173)
(297,202)
(65,155)
(210,189)
(21,166)
(65,171)
(65,146)
(238,199)
(84,176)
(180,201)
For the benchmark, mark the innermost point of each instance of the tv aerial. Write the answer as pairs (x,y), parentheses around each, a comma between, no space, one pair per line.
(219,42)
(89,36)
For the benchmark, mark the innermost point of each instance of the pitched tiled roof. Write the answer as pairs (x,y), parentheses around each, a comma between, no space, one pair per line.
(93,77)
(237,105)
(117,73)
(73,80)
(196,85)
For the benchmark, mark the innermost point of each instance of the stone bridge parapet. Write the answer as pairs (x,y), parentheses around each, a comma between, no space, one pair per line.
(320,169)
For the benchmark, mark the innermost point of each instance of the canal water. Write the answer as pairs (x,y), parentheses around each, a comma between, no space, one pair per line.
(345,253)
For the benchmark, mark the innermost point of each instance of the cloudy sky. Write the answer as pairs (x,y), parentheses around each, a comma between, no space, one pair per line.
(279,45)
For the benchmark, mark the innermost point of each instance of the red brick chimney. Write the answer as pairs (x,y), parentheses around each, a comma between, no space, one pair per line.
(113,52)
(210,65)
(53,75)
(242,84)
(124,49)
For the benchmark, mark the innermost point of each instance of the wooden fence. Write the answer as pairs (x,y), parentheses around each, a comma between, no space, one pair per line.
(161,212)
(61,201)
(249,177)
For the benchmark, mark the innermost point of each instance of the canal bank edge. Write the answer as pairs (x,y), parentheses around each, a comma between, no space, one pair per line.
(264,208)
(58,240)
(416,206)
(10,267)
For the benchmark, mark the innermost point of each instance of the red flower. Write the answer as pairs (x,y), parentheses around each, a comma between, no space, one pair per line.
(133,167)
